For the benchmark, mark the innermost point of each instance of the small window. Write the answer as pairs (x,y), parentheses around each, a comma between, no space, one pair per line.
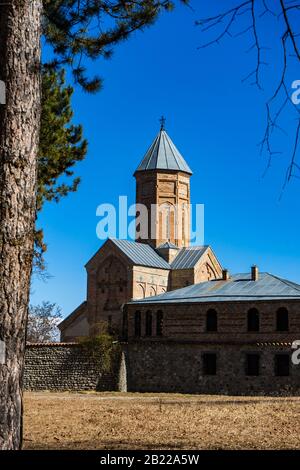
(253,320)
(209,364)
(137,324)
(252,364)
(148,323)
(211,321)
(282,365)
(159,323)
(282,320)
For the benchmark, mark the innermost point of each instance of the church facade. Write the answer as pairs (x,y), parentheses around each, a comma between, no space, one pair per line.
(159,260)
(185,323)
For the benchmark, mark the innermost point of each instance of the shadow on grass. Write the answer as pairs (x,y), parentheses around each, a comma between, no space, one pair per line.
(105,445)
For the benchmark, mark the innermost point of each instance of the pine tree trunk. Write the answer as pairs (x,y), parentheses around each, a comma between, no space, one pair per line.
(20,30)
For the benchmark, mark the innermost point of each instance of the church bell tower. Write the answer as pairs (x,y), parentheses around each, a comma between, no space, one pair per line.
(163,195)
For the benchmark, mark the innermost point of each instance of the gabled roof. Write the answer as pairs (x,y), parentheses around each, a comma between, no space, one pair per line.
(144,255)
(168,245)
(239,287)
(163,155)
(73,316)
(188,257)
(141,254)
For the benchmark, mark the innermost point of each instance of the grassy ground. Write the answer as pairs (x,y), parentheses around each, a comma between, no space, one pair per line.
(161,421)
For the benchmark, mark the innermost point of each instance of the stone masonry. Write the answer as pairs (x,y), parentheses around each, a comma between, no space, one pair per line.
(61,366)
(171,359)
(178,367)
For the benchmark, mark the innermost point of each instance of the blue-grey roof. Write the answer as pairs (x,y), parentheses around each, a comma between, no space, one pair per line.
(168,245)
(188,257)
(163,155)
(144,255)
(141,254)
(239,287)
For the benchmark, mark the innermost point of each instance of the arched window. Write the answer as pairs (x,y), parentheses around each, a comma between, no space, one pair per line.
(140,291)
(253,320)
(184,222)
(211,320)
(152,291)
(282,319)
(137,324)
(159,323)
(148,323)
(168,221)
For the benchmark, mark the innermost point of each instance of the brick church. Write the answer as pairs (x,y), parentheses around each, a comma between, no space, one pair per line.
(186,324)
(122,270)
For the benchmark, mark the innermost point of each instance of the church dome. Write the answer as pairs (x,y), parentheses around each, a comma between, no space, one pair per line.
(163,155)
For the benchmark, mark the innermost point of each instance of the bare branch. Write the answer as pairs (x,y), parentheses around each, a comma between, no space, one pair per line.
(280,98)
(289,28)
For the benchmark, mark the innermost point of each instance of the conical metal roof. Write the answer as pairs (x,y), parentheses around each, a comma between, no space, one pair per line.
(163,155)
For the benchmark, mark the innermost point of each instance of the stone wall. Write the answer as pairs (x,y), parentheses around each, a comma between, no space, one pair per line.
(66,366)
(160,366)
(173,362)
(154,366)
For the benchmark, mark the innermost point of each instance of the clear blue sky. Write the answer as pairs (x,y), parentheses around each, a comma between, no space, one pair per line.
(214,119)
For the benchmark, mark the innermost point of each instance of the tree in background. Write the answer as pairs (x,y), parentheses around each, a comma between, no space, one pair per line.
(83,30)
(61,147)
(272,31)
(20,32)
(77,30)
(42,323)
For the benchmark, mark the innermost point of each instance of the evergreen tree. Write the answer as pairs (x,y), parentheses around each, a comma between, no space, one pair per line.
(89,29)
(61,143)
(77,30)
(61,146)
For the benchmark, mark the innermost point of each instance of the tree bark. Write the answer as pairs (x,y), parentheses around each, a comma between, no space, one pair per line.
(20,32)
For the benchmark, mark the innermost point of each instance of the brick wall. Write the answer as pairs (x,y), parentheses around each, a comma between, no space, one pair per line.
(66,366)
(174,361)
(188,321)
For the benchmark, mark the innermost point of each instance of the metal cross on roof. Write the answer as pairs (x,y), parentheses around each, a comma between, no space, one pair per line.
(162,123)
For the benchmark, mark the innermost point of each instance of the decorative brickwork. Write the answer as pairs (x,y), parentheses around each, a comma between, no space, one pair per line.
(169,191)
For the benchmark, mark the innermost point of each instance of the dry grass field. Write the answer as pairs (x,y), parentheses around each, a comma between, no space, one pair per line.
(162,421)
